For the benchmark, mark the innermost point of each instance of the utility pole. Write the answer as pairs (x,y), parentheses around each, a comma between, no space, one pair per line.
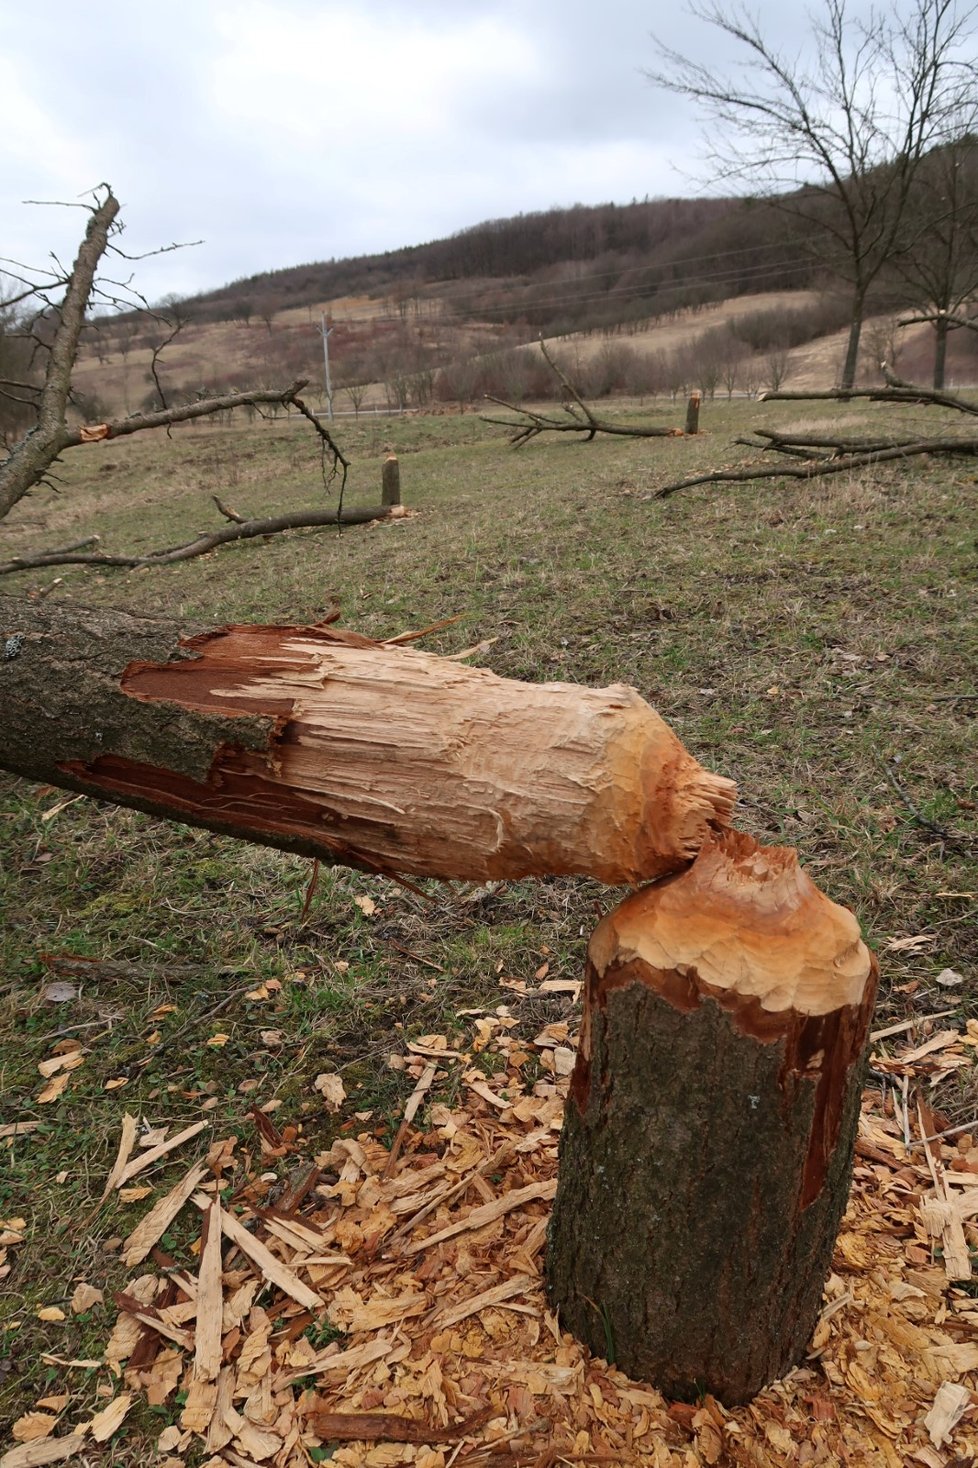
(329,386)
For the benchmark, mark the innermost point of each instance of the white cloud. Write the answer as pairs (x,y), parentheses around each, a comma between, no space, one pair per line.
(302,129)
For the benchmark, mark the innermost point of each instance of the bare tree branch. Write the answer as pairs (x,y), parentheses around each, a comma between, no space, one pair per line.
(243,530)
(817,467)
(896,391)
(30,461)
(576,417)
(827,454)
(34,455)
(949,318)
(838,140)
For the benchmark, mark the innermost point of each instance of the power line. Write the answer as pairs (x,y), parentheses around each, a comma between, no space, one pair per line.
(530,303)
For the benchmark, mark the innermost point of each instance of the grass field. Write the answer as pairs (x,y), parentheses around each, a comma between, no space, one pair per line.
(816,642)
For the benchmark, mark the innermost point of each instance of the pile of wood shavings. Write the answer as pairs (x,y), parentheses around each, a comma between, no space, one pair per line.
(388,1308)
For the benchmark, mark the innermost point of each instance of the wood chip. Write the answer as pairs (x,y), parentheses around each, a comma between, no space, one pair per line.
(152,1228)
(505,1291)
(108,1421)
(210,1297)
(52,1450)
(344,1361)
(271,1268)
(940,1041)
(198,1410)
(139,1164)
(127,1141)
(154,1320)
(907,1024)
(950,1405)
(33,1426)
(488,1213)
(84,1297)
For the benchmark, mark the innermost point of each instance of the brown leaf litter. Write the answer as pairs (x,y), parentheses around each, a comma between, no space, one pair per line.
(388,1308)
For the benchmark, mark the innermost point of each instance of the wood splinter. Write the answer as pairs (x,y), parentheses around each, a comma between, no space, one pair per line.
(708,1137)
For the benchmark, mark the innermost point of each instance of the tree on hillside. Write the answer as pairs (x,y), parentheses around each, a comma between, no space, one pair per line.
(57,303)
(940,263)
(837,141)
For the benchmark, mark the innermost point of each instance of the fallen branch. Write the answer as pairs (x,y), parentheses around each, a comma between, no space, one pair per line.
(815,467)
(241,530)
(829,454)
(576,417)
(895,391)
(950,318)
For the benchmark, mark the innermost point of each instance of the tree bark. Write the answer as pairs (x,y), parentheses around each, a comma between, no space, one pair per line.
(940,352)
(325,743)
(708,1137)
(852,345)
(390,481)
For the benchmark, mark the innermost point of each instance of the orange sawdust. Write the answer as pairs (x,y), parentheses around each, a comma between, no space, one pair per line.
(403,1319)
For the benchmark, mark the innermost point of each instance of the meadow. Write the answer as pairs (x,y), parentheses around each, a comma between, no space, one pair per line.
(817,642)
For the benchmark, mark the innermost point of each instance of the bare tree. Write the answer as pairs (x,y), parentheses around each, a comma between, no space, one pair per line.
(940,262)
(839,141)
(61,300)
(777,365)
(356,392)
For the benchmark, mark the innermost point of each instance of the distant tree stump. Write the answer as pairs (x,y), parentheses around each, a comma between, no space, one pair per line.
(390,478)
(708,1138)
(693,413)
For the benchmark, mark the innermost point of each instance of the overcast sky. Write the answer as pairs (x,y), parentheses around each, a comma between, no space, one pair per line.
(280,131)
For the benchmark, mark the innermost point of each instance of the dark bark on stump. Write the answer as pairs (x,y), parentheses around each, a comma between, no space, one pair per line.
(707,1144)
(693,413)
(390,476)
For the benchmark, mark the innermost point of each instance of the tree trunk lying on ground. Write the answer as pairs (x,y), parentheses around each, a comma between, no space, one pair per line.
(322,742)
(708,1137)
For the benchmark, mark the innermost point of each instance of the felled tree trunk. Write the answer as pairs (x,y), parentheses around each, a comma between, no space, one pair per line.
(708,1138)
(327,744)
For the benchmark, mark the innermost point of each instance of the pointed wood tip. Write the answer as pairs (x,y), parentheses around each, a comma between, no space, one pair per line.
(744,920)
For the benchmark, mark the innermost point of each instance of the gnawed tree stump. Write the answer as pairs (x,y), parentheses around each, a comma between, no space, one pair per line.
(325,743)
(708,1138)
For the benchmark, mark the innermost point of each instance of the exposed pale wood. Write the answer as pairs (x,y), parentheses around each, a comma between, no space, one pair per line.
(952,1401)
(518,1285)
(127,1140)
(111,1418)
(210,1298)
(47,1450)
(943,1215)
(146,1159)
(487,1213)
(410,1111)
(260,1255)
(345,1361)
(325,743)
(763,931)
(151,1229)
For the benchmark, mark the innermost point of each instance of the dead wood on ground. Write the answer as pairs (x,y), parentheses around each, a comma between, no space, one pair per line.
(822,454)
(575,417)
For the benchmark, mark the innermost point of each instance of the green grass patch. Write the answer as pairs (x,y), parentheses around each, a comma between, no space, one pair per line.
(799,637)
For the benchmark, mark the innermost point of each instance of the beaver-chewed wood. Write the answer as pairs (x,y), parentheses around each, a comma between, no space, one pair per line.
(326,743)
(707,1146)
